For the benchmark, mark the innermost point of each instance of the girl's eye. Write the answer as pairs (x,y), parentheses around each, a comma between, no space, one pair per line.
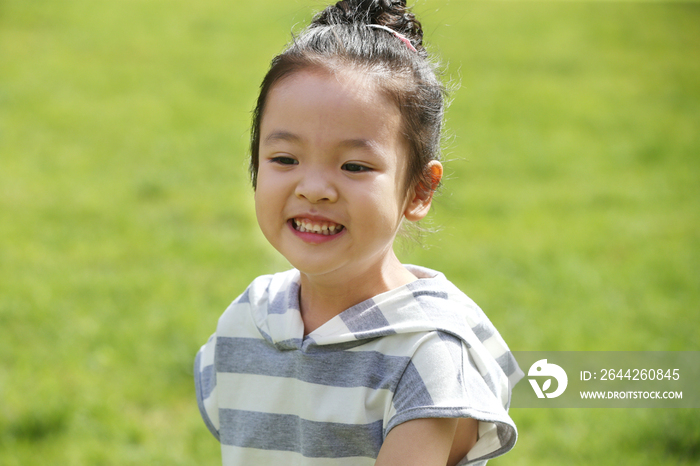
(284,160)
(355,167)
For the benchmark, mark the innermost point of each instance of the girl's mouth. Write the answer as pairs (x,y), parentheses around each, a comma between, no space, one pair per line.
(324,228)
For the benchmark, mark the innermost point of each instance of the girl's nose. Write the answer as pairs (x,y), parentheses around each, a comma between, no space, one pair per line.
(316,187)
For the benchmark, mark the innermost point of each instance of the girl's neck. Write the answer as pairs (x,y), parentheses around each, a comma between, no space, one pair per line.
(322,298)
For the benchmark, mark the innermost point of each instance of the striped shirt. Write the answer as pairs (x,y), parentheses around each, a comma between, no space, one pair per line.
(424,350)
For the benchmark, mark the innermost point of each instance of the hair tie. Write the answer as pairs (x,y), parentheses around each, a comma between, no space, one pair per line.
(400,36)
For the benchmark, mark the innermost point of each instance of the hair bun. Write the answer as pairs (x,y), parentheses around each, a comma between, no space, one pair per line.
(392,14)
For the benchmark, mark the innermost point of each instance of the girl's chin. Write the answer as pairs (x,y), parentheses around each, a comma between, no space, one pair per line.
(316,263)
(318,270)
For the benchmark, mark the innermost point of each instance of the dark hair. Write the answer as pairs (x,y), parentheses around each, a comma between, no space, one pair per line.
(338,38)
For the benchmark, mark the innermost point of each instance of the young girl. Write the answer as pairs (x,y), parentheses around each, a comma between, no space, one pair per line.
(352,358)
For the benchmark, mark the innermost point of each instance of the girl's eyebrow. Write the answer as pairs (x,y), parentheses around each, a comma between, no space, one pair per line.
(281,136)
(358,143)
(286,136)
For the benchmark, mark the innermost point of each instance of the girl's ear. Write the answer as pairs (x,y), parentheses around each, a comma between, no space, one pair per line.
(419,205)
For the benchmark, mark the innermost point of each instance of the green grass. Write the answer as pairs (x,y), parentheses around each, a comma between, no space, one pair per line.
(570,214)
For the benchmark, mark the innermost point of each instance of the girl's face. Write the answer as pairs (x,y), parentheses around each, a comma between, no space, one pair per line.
(330,193)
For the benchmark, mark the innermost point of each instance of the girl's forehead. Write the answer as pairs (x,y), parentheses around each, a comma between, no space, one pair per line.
(345,81)
(340,98)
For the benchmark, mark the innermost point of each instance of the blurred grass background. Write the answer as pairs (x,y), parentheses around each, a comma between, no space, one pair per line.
(570,215)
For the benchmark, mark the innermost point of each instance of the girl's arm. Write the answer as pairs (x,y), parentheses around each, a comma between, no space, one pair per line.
(428,442)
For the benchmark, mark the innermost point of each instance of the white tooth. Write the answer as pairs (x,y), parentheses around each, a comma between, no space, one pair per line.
(305,226)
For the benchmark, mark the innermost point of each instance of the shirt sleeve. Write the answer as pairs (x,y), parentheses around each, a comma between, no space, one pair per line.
(205,386)
(441,381)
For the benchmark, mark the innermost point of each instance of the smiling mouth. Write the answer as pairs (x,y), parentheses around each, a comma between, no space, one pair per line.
(320,228)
